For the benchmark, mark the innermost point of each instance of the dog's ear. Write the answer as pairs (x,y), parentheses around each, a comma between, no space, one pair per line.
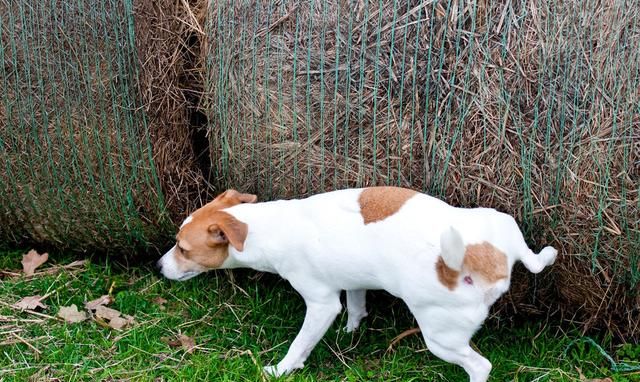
(234,197)
(248,198)
(225,195)
(227,229)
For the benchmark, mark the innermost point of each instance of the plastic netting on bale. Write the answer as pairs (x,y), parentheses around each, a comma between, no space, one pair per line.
(530,107)
(77,137)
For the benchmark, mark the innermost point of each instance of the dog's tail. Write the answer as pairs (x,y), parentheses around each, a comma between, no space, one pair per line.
(537,262)
(452,248)
(519,249)
(453,251)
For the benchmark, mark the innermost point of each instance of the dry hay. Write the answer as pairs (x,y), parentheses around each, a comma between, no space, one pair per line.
(529,107)
(93,125)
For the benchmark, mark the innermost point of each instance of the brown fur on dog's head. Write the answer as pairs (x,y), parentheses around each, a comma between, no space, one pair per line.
(203,240)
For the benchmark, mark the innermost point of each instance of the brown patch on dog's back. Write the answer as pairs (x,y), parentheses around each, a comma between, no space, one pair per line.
(378,203)
(487,261)
(483,260)
(447,276)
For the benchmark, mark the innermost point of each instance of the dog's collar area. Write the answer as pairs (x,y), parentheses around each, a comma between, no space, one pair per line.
(468,280)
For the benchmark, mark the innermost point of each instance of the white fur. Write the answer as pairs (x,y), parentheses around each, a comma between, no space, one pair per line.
(452,248)
(186,221)
(171,270)
(322,246)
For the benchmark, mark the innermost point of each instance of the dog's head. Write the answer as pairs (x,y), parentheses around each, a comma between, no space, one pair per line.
(202,243)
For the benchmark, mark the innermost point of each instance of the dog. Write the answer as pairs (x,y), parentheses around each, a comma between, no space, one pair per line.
(448,264)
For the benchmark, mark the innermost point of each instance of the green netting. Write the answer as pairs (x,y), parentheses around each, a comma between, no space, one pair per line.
(531,107)
(75,152)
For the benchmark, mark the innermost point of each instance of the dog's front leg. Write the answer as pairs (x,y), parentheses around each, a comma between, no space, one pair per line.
(319,316)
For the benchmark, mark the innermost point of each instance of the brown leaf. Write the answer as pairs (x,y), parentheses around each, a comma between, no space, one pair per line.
(116,319)
(159,301)
(118,323)
(585,379)
(33,260)
(103,300)
(71,314)
(31,303)
(187,343)
(106,313)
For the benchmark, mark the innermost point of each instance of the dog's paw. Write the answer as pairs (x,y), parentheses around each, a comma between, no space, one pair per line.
(350,328)
(354,320)
(271,371)
(281,369)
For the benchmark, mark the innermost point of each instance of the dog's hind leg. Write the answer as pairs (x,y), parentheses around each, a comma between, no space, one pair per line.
(473,363)
(451,344)
(322,310)
(356,308)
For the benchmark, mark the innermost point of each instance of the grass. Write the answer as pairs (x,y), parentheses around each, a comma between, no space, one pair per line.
(240,322)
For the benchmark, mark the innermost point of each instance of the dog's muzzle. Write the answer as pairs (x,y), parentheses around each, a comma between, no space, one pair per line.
(168,267)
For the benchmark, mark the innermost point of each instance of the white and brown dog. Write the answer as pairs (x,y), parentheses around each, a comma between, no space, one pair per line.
(448,264)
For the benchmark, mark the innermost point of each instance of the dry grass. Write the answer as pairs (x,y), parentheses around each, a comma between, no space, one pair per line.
(526,106)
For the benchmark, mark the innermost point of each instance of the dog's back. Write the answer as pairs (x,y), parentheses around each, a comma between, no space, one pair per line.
(333,236)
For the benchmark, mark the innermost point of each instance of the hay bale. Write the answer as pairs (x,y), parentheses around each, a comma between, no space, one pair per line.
(527,107)
(94,155)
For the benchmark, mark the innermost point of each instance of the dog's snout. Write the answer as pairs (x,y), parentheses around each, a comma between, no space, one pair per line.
(158,265)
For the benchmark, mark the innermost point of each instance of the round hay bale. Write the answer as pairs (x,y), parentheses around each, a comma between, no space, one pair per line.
(95,146)
(527,107)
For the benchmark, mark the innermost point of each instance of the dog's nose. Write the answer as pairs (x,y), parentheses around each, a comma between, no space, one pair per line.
(158,266)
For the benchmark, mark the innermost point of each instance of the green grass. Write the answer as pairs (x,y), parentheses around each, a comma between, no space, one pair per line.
(242,321)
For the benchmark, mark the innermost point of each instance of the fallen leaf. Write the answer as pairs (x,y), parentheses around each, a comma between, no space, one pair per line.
(33,260)
(106,313)
(187,343)
(116,320)
(100,301)
(71,314)
(585,379)
(31,303)
(118,323)
(159,301)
